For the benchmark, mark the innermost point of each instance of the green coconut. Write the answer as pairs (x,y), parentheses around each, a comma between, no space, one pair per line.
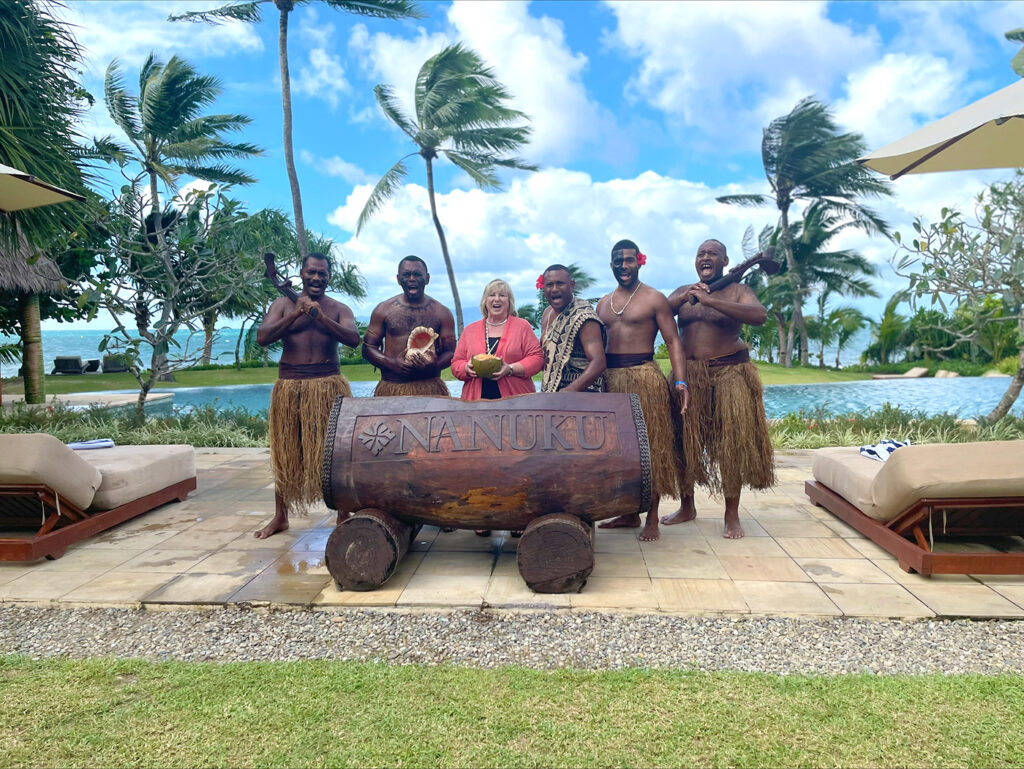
(486,365)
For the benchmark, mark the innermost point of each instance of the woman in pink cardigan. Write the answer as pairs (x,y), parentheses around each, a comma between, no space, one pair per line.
(504,334)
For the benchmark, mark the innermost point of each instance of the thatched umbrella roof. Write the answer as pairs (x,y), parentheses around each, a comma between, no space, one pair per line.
(43,276)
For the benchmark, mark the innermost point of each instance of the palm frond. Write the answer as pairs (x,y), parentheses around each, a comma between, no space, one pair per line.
(749,201)
(121,106)
(378,9)
(480,170)
(249,12)
(382,192)
(393,110)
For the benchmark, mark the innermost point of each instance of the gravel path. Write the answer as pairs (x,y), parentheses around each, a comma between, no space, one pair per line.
(537,640)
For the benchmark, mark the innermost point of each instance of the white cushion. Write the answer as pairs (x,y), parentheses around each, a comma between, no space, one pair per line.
(131,472)
(850,475)
(41,458)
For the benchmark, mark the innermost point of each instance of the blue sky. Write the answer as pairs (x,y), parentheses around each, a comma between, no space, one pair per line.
(643,113)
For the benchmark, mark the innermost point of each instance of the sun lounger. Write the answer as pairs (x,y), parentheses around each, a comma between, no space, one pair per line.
(92,366)
(113,364)
(931,492)
(68,364)
(915,373)
(52,496)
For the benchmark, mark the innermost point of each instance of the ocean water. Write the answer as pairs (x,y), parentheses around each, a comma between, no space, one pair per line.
(85,344)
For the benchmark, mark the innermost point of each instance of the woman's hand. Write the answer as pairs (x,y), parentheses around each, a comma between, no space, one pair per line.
(470,371)
(504,371)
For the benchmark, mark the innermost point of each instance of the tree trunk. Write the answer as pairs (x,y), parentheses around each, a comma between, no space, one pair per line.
(786,241)
(238,344)
(1009,397)
(805,357)
(140,404)
(444,248)
(839,349)
(780,324)
(32,349)
(285,6)
(821,356)
(209,326)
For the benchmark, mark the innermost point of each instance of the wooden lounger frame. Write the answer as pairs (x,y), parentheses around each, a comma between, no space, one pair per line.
(907,535)
(60,523)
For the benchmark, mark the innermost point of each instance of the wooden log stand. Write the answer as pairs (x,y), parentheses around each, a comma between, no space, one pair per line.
(556,554)
(365,549)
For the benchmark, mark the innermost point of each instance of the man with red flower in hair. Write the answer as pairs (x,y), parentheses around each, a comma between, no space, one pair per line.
(634,313)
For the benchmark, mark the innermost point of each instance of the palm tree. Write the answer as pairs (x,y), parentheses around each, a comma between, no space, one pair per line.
(849,322)
(251,11)
(806,158)
(166,129)
(461,113)
(889,333)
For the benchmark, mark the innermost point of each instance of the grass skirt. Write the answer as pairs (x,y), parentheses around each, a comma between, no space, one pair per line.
(299,412)
(416,387)
(725,433)
(647,381)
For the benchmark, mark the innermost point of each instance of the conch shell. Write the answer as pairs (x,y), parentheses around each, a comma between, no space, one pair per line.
(421,344)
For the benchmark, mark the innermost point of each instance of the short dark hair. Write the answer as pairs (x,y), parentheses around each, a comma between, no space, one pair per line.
(317,255)
(559,267)
(624,244)
(725,250)
(413,258)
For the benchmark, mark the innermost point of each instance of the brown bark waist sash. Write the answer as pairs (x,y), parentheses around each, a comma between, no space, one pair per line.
(306,370)
(732,359)
(624,360)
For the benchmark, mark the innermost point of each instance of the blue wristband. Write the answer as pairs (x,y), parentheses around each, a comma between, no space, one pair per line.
(681,382)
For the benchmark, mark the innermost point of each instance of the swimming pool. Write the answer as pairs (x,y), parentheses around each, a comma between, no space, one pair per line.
(964,396)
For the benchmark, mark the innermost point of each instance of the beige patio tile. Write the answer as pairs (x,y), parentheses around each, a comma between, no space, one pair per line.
(1000,579)
(1013,592)
(713,529)
(753,546)
(118,587)
(385,595)
(698,595)
(462,540)
(619,565)
(202,540)
(684,564)
(506,566)
(227,523)
(843,530)
(444,590)
(282,589)
(316,539)
(780,512)
(615,593)
(875,600)
(964,600)
(817,547)
(798,529)
(869,549)
(617,542)
(130,540)
(42,586)
(283,540)
(163,561)
(87,559)
(892,568)
(846,570)
(309,563)
(799,598)
(199,588)
(511,591)
(456,564)
(236,562)
(761,569)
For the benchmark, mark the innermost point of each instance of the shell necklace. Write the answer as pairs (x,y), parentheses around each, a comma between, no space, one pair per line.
(487,344)
(611,306)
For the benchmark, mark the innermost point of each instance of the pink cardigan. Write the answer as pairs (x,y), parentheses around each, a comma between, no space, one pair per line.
(518,345)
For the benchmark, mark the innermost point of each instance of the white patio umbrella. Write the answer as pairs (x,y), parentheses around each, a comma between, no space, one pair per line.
(986,134)
(19,190)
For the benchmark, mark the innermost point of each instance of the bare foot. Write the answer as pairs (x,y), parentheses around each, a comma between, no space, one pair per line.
(686,512)
(482,532)
(631,521)
(733,530)
(651,532)
(279,523)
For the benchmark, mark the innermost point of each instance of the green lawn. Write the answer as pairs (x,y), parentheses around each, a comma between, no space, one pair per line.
(133,713)
(364,372)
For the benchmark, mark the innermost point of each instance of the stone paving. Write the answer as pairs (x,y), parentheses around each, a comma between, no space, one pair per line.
(796,560)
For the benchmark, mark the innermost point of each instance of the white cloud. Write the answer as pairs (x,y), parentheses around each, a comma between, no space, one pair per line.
(336,166)
(129,31)
(555,215)
(322,75)
(897,94)
(529,55)
(728,68)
